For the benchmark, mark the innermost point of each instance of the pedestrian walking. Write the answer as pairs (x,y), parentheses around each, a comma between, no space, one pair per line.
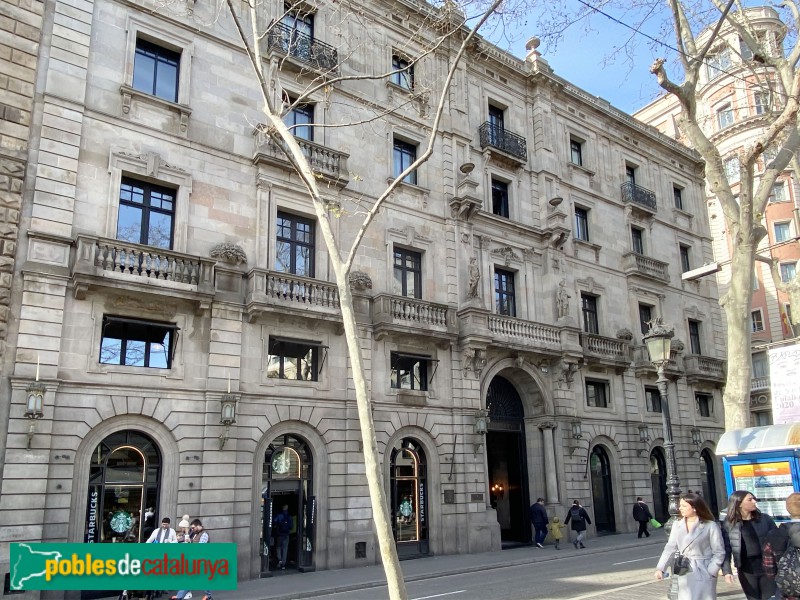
(198,535)
(538,515)
(697,537)
(781,552)
(579,518)
(283,528)
(641,514)
(745,530)
(556,530)
(164,534)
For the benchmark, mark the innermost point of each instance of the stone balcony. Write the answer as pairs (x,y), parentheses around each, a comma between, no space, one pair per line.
(704,369)
(634,263)
(759,384)
(480,326)
(328,164)
(293,295)
(403,315)
(613,352)
(116,264)
(644,368)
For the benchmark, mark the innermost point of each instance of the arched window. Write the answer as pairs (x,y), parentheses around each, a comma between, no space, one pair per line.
(409,498)
(658,484)
(602,491)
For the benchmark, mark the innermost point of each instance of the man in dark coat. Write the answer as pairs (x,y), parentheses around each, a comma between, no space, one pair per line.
(641,514)
(579,517)
(538,516)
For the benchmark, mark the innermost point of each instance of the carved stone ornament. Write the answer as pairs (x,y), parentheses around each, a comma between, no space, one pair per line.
(568,371)
(474,360)
(507,253)
(677,346)
(360,281)
(625,334)
(230,253)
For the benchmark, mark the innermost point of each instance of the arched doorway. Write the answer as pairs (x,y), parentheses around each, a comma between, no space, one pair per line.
(505,454)
(409,499)
(602,491)
(658,484)
(709,480)
(124,477)
(287,481)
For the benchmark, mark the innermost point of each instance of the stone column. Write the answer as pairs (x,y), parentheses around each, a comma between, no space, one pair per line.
(550,471)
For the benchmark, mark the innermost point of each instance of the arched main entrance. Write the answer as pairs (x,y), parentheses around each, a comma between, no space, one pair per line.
(709,480)
(287,481)
(505,454)
(409,499)
(658,484)
(602,491)
(124,477)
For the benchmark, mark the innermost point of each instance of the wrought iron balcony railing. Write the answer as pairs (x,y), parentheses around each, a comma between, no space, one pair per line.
(302,47)
(635,194)
(502,139)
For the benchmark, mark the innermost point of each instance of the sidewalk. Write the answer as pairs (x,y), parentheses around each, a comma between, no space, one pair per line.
(290,586)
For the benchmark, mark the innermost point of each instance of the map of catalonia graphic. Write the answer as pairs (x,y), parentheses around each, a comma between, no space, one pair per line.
(30,564)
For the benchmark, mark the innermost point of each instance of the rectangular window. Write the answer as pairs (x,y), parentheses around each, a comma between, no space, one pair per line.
(731,166)
(645,316)
(581,224)
(724,116)
(630,174)
(301,28)
(294,249)
(782,231)
(760,102)
(653,399)
(576,151)
(155,70)
(146,213)
(686,263)
(596,393)
(694,336)
(756,321)
(499,198)
(504,296)
(637,240)
(589,309)
(402,72)
(293,359)
(137,343)
(705,404)
(404,155)
(762,418)
(760,364)
(788,271)
(717,63)
(300,121)
(677,197)
(744,50)
(778,192)
(407,273)
(409,371)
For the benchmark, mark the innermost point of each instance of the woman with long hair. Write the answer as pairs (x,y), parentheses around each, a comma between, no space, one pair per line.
(744,530)
(698,538)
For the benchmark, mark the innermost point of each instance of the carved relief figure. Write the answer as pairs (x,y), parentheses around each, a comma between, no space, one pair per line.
(474,278)
(562,299)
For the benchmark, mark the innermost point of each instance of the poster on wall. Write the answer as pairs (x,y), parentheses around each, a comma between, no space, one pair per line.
(770,482)
(784,369)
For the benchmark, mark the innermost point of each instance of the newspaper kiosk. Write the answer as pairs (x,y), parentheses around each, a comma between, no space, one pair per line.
(764,461)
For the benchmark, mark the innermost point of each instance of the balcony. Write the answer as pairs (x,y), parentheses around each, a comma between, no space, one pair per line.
(512,146)
(644,266)
(644,368)
(284,293)
(612,352)
(302,50)
(704,369)
(400,314)
(480,326)
(639,197)
(116,264)
(328,164)
(759,384)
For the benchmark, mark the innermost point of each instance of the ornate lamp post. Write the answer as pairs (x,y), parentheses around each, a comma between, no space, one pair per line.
(658,341)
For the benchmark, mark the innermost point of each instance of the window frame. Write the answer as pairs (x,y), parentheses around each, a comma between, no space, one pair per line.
(643,324)
(630,173)
(756,321)
(402,72)
(785,267)
(298,129)
(422,379)
(652,397)
(505,292)
(637,240)
(785,227)
(581,224)
(294,243)
(146,208)
(695,336)
(403,269)
(776,197)
(576,151)
(760,102)
(278,346)
(500,198)
(402,149)
(704,404)
(685,253)
(597,385)
(677,197)
(159,55)
(732,168)
(725,116)
(590,313)
(170,331)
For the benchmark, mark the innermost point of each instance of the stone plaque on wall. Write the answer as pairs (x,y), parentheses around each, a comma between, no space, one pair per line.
(476,497)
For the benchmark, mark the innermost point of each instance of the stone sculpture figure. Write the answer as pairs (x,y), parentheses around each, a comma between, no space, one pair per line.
(562,299)
(474,278)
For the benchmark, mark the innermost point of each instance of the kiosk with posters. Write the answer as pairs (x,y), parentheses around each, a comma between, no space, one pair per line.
(764,461)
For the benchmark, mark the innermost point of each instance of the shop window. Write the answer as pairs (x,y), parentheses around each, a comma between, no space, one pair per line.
(407,273)
(409,371)
(409,498)
(295,359)
(596,393)
(294,248)
(137,343)
(155,70)
(504,293)
(146,213)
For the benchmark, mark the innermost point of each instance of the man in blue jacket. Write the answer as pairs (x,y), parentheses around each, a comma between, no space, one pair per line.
(538,516)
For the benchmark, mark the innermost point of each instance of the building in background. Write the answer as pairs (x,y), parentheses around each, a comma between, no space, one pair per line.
(176,344)
(734,106)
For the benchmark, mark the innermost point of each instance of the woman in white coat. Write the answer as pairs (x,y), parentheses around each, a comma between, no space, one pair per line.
(698,537)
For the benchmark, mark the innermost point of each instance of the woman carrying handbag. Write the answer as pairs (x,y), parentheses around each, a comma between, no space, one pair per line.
(697,538)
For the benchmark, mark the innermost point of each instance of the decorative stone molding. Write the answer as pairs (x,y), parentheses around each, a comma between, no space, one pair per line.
(360,281)
(625,334)
(474,360)
(569,367)
(230,253)
(677,346)
(507,254)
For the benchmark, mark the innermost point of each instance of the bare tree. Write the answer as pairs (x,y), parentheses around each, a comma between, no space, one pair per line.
(445,29)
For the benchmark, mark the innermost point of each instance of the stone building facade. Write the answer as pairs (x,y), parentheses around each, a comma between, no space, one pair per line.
(178,317)
(735,106)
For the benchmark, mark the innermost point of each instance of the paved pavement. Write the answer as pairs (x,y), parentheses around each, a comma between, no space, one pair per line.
(294,586)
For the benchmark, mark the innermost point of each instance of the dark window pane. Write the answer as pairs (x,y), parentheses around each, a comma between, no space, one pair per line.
(136,343)
(156,70)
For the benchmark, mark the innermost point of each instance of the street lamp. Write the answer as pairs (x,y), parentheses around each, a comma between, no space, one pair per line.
(658,341)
